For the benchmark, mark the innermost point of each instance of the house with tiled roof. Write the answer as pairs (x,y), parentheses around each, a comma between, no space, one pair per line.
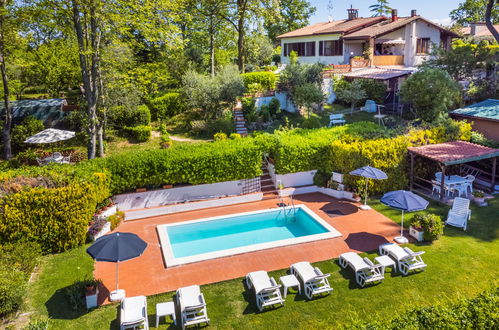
(385,41)
(479,30)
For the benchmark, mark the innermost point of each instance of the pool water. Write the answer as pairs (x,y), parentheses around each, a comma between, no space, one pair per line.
(241,230)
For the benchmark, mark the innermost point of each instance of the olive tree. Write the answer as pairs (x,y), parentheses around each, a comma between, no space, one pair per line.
(352,93)
(431,91)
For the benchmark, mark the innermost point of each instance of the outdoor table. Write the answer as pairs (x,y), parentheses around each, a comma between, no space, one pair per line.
(289,281)
(165,309)
(454,180)
(386,261)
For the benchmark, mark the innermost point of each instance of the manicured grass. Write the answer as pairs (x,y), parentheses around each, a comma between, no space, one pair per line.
(460,264)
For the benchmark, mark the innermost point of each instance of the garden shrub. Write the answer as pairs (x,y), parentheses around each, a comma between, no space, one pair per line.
(166,106)
(313,121)
(375,90)
(51,206)
(21,255)
(264,112)
(431,224)
(29,126)
(266,80)
(13,285)
(274,107)
(116,219)
(481,312)
(138,134)
(234,136)
(121,116)
(220,136)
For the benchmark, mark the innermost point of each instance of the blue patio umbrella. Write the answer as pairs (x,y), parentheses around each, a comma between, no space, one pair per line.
(405,201)
(369,172)
(117,247)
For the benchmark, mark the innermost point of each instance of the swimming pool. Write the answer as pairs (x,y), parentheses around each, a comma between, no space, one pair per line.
(222,236)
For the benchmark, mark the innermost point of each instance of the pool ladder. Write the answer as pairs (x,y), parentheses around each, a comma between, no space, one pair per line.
(285,211)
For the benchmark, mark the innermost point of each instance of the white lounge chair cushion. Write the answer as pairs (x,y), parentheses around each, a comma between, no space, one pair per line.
(133,310)
(354,260)
(395,251)
(305,270)
(190,296)
(260,280)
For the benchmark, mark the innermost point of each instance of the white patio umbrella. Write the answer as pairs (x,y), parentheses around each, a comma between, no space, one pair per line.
(50,135)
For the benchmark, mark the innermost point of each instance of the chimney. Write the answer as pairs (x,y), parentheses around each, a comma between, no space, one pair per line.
(352,13)
(413,13)
(477,27)
(394,15)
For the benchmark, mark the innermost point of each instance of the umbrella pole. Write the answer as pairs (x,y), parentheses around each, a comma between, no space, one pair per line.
(117,275)
(402,225)
(365,197)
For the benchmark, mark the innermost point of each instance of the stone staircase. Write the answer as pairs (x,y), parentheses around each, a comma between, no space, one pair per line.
(239,120)
(266,184)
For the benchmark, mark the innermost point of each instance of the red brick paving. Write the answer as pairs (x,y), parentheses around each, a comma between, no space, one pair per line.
(147,275)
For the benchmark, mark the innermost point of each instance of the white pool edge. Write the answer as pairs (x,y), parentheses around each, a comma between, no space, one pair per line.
(170,259)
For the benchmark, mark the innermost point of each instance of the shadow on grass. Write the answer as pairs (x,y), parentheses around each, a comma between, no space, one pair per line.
(64,307)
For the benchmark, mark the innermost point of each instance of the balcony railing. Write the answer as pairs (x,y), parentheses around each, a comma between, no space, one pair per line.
(388,59)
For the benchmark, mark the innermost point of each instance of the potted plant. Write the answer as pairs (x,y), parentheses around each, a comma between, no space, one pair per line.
(426,227)
(479,197)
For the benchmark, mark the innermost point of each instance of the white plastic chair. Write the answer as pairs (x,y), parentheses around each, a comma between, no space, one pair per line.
(336,119)
(133,313)
(365,271)
(314,281)
(192,306)
(435,187)
(469,183)
(267,291)
(459,214)
(406,259)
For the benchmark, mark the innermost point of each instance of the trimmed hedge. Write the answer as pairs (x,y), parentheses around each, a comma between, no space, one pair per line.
(53,210)
(305,149)
(138,134)
(481,312)
(121,116)
(265,79)
(166,106)
(194,164)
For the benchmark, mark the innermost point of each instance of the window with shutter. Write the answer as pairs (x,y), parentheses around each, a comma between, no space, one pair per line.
(321,48)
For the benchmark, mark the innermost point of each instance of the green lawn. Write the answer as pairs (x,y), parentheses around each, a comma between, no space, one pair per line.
(460,264)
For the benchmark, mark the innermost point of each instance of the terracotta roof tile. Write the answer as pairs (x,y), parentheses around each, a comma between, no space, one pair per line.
(456,152)
(483,33)
(340,26)
(380,28)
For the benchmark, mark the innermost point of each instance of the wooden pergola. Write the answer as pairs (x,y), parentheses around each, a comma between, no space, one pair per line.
(453,153)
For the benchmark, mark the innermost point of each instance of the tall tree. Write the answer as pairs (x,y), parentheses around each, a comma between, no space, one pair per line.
(380,8)
(471,11)
(488,18)
(292,15)
(6,29)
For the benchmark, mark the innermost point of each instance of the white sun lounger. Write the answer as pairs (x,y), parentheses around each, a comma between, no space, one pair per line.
(406,259)
(365,270)
(267,291)
(313,280)
(133,313)
(192,306)
(460,213)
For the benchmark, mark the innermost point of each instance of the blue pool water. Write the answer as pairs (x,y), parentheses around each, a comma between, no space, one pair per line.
(237,231)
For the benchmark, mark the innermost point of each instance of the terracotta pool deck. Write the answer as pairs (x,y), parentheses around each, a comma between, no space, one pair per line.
(147,275)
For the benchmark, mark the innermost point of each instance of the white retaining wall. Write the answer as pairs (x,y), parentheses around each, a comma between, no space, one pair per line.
(163,197)
(305,178)
(169,209)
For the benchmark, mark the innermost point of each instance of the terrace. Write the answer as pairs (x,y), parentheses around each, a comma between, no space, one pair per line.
(361,231)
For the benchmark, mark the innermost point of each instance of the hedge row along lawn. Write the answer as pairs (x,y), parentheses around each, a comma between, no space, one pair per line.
(460,265)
